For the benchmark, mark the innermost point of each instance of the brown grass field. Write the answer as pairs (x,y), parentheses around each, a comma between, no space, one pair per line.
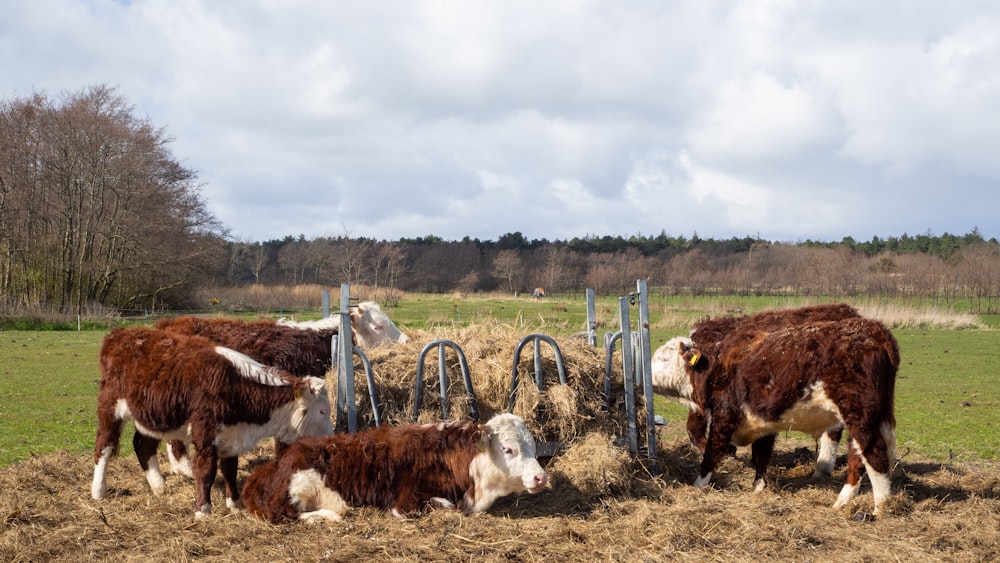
(602,505)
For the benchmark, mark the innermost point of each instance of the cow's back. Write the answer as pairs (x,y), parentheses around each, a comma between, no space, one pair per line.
(142,366)
(165,377)
(301,352)
(854,360)
(748,334)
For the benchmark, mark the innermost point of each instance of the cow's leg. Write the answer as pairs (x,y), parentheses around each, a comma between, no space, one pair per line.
(406,502)
(145,451)
(877,452)
(826,452)
(205,467)
(228,466)
(697,429)
(853,480)
(180,460)
(109,431)
(761,451)
(313,499)
(724,423)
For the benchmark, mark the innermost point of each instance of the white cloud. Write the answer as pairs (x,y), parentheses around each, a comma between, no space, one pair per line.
(556,119)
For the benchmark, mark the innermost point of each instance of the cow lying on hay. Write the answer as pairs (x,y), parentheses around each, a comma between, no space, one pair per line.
(725,341)
(810,378)
(180,387)
(407,468)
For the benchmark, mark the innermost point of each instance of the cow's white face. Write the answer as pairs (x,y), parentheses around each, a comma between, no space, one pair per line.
(313,402)
(372,327)
(669,373)
(507,464)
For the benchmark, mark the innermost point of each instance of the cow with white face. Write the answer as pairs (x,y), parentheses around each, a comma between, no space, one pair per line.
(809,378)
(370,325)
(405,469)
(184,387)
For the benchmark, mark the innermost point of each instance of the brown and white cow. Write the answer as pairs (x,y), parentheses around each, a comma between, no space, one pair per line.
(809,378)
(725,341)
(406,469)
(299,352)
(181,387)
(370,325)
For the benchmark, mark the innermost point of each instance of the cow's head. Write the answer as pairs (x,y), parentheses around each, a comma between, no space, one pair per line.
(672,367)
(311,415)
(507,463)
(373,327)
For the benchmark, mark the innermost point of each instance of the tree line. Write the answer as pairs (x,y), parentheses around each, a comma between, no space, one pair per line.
(96,214)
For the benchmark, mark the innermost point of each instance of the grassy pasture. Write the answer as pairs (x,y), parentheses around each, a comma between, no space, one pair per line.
(947,393)
(602,505)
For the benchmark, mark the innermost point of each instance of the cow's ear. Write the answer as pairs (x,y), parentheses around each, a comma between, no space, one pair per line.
(690,354)
(316,384)
(485,439)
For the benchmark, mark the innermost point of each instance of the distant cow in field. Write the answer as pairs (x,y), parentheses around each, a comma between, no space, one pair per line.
(810,378)
(404,469)
(180,387)
(725,341)
(370,325)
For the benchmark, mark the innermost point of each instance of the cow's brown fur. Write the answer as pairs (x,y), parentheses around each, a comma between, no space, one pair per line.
(302,352)
(401,468)
(170,380)
(725,341)
(854,360)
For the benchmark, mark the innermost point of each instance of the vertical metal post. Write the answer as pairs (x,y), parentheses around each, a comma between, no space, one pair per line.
(345,364)
(443,382)
(628,373)
(591,318)
(326,303)
(646,367)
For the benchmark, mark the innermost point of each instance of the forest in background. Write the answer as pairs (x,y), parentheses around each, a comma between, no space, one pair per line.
(97,216)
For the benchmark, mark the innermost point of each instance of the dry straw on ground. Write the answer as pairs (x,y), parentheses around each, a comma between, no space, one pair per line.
(602,504)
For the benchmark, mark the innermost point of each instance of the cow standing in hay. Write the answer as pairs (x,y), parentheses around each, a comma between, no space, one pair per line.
(810,378)
(304,348)
(301,352)
(181,387)
(404,469)
(725,341)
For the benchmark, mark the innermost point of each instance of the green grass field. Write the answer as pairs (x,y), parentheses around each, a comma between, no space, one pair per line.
(947,392)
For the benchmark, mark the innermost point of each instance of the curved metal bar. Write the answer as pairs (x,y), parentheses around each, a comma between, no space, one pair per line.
(560,365)
(372,391)
(443,379)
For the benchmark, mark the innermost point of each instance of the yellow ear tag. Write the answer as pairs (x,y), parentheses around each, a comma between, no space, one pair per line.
(694,358)
(298,393)
(481,446)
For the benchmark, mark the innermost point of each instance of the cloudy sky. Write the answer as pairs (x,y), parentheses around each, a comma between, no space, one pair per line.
(557,119)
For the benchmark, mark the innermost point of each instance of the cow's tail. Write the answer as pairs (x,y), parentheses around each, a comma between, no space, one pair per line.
(886,366)
(252,369)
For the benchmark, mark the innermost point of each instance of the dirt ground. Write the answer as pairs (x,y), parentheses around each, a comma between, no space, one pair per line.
(602,504)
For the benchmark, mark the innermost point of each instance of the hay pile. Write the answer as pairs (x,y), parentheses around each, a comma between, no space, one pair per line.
(602,503)
(600,506)
(559,414)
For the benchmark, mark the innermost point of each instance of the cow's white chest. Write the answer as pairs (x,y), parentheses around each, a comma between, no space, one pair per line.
(814,414)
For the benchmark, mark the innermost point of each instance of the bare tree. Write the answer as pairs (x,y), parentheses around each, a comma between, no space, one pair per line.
(98,206)
(507,266)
